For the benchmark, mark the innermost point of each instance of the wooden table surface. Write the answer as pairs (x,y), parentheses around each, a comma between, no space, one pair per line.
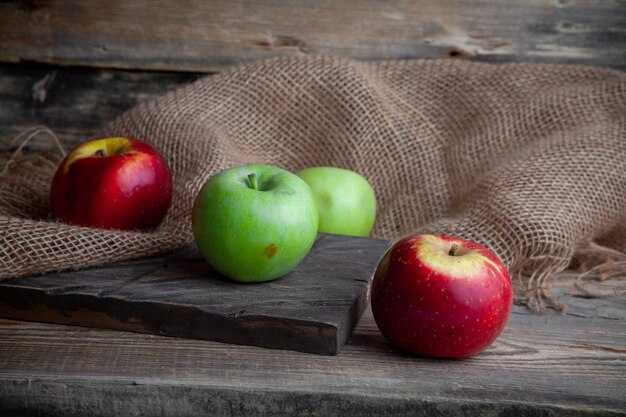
(73,66)
(551,364)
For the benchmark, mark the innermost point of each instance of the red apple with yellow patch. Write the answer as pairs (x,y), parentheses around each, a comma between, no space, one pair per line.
(439,296)
(112,183)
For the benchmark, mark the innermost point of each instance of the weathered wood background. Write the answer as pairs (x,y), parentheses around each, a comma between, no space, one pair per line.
(205,36)
(74,102)
(197,37)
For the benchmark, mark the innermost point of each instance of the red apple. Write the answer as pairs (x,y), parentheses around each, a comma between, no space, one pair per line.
(438,296)
(112,183)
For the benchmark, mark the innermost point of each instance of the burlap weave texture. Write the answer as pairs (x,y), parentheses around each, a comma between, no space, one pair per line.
(527,159)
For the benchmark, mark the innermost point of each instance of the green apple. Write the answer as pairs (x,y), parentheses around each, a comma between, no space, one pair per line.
(254,223)
(345,200)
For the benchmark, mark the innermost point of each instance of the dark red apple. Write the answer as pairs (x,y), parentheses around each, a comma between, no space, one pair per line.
(112,183)
(438,296)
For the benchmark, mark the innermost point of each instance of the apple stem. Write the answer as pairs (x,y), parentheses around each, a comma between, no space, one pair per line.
(253,182)
(453,249)
(100,153)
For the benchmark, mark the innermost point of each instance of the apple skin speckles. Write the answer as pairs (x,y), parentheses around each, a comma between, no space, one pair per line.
(440,304)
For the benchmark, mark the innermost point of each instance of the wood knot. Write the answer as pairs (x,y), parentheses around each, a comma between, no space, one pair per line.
(456,53)
(281,42)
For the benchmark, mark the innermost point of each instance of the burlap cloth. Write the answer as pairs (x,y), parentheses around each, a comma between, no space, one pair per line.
(529,160)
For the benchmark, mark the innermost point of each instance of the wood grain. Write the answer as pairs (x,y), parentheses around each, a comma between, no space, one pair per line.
(73,102)
(209,36)
(312,309)
(555,364)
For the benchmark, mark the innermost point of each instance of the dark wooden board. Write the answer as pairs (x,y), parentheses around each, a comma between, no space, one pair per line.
(312,309)
(205,36)
(73,102)
(569,364)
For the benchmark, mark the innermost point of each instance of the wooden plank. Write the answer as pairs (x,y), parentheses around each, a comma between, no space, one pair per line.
(209,36)
(543,364)
(312,309)
(73,102)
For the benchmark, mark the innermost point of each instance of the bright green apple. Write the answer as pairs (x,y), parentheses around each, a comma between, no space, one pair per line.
(345,200)
(254,223)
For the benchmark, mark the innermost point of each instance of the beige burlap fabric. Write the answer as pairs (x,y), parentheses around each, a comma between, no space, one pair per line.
(528,159)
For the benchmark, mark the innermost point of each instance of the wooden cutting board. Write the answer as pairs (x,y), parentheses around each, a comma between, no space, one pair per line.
(312,309)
